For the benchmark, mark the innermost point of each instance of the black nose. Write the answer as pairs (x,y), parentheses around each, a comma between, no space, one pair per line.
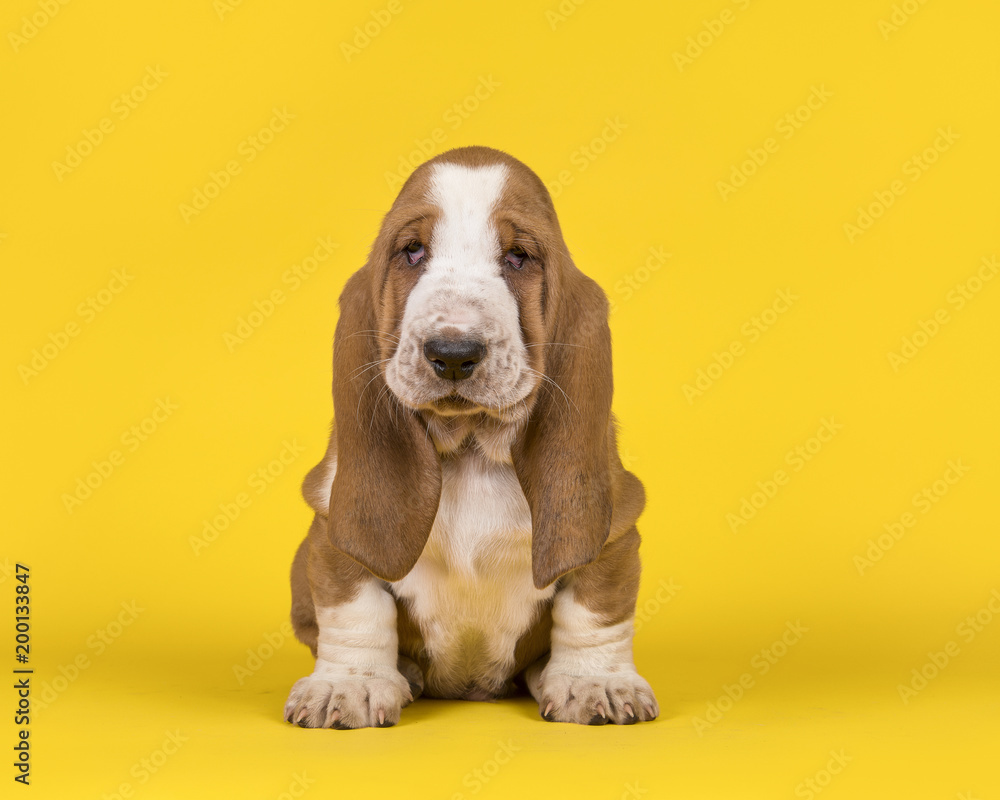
(454,359)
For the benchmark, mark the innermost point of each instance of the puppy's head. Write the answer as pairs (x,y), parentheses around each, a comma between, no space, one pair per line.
(470,315)
(466,256)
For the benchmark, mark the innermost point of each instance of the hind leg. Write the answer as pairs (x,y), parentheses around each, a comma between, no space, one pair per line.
(409,669)
(303,610)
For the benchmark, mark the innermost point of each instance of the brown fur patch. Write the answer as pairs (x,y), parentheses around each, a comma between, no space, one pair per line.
(609,586)
(321,576)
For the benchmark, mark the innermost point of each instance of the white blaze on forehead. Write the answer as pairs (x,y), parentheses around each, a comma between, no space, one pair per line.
(465,237)
(462,291)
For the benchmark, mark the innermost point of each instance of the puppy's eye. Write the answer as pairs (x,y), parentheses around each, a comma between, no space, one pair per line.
(515,256)
(414,253)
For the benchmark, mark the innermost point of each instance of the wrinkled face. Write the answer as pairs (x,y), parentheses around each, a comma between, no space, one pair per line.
(464,295)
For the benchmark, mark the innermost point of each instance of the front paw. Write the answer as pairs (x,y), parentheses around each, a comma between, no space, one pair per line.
(622,698)
(348,701)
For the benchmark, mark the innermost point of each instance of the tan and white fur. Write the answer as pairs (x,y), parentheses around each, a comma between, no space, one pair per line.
(474,525)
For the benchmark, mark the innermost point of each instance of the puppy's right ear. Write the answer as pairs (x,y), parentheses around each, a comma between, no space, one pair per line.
(388,481)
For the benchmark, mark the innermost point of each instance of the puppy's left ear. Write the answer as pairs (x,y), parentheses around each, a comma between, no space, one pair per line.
(563,458)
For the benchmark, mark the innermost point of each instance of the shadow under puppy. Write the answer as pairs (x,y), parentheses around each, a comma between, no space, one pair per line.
(474,522)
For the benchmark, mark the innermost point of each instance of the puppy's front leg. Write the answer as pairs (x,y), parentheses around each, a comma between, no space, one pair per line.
(356,683)
(589,676)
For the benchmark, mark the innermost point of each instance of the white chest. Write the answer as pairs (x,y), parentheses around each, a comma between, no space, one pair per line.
(471,592)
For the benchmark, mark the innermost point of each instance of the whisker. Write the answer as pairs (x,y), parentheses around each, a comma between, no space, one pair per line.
(361,397)
(378,399)
(548,380)
(383,336)
(365,367)
(394,405)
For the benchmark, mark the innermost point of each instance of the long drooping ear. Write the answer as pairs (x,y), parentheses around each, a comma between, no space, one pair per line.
(562,458)
(388,481)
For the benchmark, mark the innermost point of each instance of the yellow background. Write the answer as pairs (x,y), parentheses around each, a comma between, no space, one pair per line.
(549,83)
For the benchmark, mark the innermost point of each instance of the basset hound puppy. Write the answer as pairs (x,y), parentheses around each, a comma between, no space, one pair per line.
(473,520)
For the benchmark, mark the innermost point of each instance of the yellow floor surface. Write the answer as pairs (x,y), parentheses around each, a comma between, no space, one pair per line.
(152,725)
